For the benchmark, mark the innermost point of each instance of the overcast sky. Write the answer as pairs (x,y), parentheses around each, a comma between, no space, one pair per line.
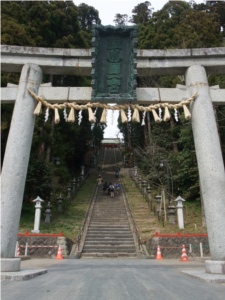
(107,10)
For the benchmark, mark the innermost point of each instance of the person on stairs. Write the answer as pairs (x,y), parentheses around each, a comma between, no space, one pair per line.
(117,171)
(117,187)
(99,180)
(111,189)
(105,187)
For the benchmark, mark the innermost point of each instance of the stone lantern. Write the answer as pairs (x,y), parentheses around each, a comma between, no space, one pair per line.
(74,185)
(82,172)
(37,218)
(180,216)
(171,213)
(135,171)
(149,196)
(136,180)
(139,182)
(48,213)
(69,191)
(144,185)
(158,199)
(60,202)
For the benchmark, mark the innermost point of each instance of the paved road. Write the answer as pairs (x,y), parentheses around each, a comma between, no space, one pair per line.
(108,279)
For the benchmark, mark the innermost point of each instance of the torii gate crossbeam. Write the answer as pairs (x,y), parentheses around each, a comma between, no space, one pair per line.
(58,61)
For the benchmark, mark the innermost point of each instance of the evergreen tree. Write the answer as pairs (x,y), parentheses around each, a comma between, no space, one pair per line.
(121,19)
(177,25)
(141,13)
(43,24)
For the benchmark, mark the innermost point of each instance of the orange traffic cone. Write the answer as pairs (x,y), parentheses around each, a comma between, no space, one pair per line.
(158,255)
(18,250)
(59,253)
(184,256)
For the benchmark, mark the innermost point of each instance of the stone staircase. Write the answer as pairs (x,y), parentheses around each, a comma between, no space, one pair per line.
(109,232)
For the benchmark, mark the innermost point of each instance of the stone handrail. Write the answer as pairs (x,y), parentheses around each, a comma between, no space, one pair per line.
(135,232)
(84,228)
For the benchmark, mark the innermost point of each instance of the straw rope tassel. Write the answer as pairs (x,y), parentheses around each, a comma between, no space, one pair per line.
(156,117)
(71,117)
(122,109)
(57,118)
(37,110)
(136,116)
(166,114)
(123,116)
(103,117)
(91,115)
(187,113)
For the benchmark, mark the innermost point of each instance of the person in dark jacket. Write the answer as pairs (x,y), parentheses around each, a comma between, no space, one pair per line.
(105,187)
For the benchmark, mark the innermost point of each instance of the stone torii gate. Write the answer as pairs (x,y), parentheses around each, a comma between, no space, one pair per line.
(194,64)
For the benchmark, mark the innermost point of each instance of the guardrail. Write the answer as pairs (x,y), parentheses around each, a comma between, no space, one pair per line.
(27,233)
(181,234)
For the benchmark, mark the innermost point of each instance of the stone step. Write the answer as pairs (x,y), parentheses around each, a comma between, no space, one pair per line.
(109,209)
(102,225)
(110,242)
(105,223)
(109,225)
(109,255)
(125,247)
(109,249)
(109,221)
(99,242)
(105,203)
(101,237)
(108,201)
(116,206)
(106,235)
(109,218)
(112,236)
(107,228)
(109,212)
(109,234)
(108,238)
(107,231)
(96,229)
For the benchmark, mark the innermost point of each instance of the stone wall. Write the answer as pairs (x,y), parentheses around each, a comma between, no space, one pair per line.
(171,247)
(44,246)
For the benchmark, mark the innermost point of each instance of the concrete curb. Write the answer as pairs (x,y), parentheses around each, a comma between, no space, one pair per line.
(203,276)
(22,275)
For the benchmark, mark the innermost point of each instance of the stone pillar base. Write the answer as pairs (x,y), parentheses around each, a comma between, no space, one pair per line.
(215,267)
(10,264)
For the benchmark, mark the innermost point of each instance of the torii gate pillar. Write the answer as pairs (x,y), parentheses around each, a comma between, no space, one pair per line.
(210,165)
(15,164)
